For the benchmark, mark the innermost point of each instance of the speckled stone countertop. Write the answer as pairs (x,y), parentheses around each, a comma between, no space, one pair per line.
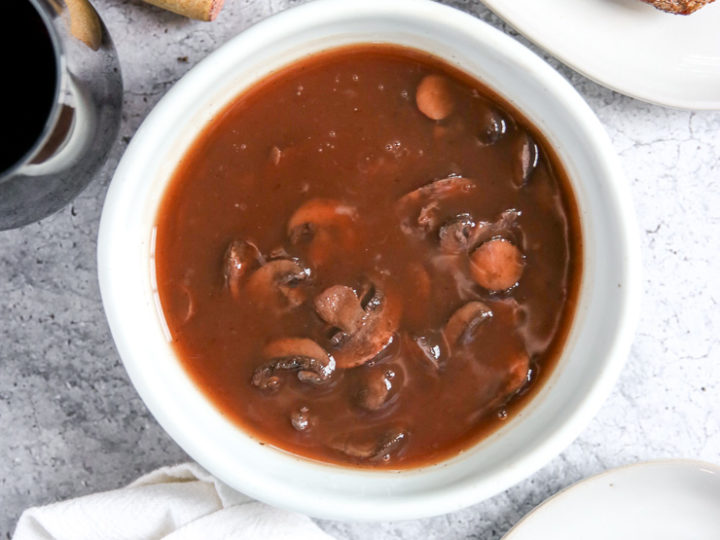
(71,423)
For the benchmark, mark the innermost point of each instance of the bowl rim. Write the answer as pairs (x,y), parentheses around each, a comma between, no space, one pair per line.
(445,497)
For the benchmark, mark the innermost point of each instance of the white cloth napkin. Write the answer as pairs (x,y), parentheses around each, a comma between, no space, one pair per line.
(183,502)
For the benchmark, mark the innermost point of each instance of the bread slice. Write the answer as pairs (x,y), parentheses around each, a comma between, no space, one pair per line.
(679,7)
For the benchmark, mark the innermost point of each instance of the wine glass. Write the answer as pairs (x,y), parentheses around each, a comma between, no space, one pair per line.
(63,97)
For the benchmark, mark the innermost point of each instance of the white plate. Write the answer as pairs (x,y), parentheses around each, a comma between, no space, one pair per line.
(658,500)
(628,46)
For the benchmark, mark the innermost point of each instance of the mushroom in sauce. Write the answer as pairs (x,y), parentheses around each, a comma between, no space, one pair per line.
(426,200)
(463,324)
(278,284)
(376,387)
(492,126)
(457,235)
(368,445)
(434,97)
(302,355)
(432,347)
(497,264)
(528,156)
(301,419)
(327,225)
(366,334)
(241,256)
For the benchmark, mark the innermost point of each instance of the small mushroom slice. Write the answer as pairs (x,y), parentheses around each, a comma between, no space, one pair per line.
(301,419)
(434,98)
(366,292)
(433,348)
(340,307)
(438,190)
(241,256)
(319,213)
(457,235)
(428,217)
(496,265)
(461,233)
(376,388)
(278,284)
(278,252)
(527,157)
(327,225)
(506,221)
(503,226)
(370,445)
(462,325)
(492,126)
(426,200)
(311,362)
(518,373)
(381,320)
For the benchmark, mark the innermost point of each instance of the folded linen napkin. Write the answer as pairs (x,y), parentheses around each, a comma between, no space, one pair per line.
(183,502)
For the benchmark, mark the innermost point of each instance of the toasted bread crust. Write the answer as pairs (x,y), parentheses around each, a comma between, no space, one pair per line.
(679,7)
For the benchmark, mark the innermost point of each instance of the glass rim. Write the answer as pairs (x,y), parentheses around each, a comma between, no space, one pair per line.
(41,8)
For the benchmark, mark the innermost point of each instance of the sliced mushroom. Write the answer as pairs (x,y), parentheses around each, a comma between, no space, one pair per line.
(428,216)
(340,307)
(497,264)
(318,213)
(376,388)
(463,324)
(457,235)
(492,126)
(241,256)
(434,97)
(426,199)
(366,292)
(381,320)
(278,284)
(503,226)
(370,445)
(301,419)
(462,233)
(527,156)
(518,373)
(438,190)
(328,227)
(433,348)
(278,252)
(310,360)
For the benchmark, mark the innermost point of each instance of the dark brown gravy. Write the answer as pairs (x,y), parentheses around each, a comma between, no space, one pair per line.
(371,262)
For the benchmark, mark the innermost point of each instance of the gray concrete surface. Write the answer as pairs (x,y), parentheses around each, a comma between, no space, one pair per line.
(71,423)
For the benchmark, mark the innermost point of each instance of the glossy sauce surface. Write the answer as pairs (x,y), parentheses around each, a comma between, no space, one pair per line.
(369,259)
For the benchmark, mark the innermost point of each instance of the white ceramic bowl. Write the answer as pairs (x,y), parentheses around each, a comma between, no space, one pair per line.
(598,342)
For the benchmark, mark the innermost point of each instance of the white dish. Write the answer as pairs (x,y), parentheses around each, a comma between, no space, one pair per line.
(658,500)
(628,46)
(600,336)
